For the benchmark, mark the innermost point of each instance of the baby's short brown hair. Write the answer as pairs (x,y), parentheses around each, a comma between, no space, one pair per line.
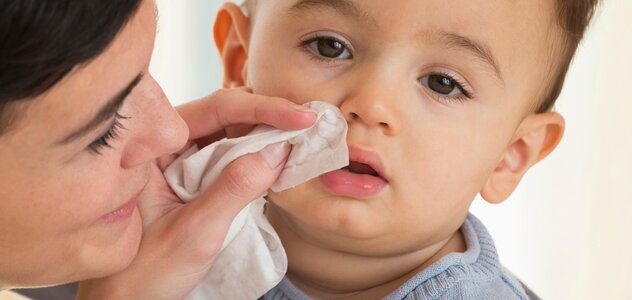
(573,17)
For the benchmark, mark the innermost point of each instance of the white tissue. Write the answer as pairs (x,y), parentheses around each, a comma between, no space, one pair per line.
(252,260)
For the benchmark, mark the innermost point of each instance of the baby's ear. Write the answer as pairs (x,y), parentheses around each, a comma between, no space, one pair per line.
(535,138)
(232,34)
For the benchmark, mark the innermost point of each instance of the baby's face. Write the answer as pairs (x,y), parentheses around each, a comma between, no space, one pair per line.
(433,93)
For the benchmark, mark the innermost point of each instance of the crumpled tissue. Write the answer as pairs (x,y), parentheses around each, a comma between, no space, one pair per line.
(252,260)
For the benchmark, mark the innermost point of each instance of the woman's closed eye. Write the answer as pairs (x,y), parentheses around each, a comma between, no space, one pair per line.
(113,132)
(446,87)
(327,48)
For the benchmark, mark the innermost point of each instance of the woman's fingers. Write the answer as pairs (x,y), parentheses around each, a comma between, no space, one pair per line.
(237,106)
(181,241)
(243,181)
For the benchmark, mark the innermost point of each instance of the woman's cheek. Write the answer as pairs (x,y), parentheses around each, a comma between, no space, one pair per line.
(94,193)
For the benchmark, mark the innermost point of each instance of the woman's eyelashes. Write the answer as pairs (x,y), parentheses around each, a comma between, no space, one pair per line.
(113,132)
(446,87)
(327,48)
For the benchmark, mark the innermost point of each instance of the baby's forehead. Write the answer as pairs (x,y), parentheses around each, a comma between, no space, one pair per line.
(493,18)
(484,28)
(515,42)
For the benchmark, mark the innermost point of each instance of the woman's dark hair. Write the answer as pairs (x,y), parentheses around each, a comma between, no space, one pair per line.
(41,41)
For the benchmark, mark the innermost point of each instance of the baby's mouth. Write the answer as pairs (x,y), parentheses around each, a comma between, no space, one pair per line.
(362,169)
(362,178)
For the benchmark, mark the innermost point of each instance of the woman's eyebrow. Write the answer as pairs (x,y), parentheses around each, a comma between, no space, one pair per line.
(342,7)
(105,113)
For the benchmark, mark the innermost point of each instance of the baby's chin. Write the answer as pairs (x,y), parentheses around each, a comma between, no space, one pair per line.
(299,231)
(309,210)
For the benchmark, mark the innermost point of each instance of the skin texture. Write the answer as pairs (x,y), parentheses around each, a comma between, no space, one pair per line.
(439,151)
(54,196)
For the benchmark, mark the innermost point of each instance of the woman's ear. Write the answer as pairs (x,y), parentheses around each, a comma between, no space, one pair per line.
(535,138)
(232,35)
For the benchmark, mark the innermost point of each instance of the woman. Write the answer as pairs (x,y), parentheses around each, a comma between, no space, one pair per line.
(84,134)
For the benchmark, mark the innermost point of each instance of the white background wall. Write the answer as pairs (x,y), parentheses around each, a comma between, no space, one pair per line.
(566,230)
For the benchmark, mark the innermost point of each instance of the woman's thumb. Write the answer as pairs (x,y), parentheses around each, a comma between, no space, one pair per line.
(243,181)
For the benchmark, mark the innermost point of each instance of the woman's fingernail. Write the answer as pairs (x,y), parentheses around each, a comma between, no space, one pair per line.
(275,154)
(302,108)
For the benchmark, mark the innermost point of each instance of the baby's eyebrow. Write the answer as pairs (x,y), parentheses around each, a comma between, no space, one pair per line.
(459,42)
(348,8)
(343,7)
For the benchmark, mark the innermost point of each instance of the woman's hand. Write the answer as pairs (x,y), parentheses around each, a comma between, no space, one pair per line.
(180,241)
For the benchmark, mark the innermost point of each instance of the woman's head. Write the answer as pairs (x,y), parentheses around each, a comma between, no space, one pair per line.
(81,121)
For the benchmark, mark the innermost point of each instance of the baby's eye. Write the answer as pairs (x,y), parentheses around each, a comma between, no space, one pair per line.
(328,47)
(443,85)
(446,86)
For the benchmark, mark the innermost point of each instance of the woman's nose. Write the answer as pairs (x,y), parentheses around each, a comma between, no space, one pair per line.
(158,129)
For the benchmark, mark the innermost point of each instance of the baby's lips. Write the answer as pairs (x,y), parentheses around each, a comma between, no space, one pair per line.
(368,157)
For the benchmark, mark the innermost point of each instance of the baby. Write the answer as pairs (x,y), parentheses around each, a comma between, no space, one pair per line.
(444,100)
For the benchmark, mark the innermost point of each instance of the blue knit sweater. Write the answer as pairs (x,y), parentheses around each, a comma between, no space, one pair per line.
(475,274)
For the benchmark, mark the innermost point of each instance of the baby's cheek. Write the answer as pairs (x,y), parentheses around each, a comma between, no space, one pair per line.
(287,84)
(284,198)
(292,201)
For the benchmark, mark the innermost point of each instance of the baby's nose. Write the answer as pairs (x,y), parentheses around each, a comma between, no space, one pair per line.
(373,113)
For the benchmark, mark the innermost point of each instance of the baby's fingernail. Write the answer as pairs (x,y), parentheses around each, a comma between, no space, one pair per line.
(275,154)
